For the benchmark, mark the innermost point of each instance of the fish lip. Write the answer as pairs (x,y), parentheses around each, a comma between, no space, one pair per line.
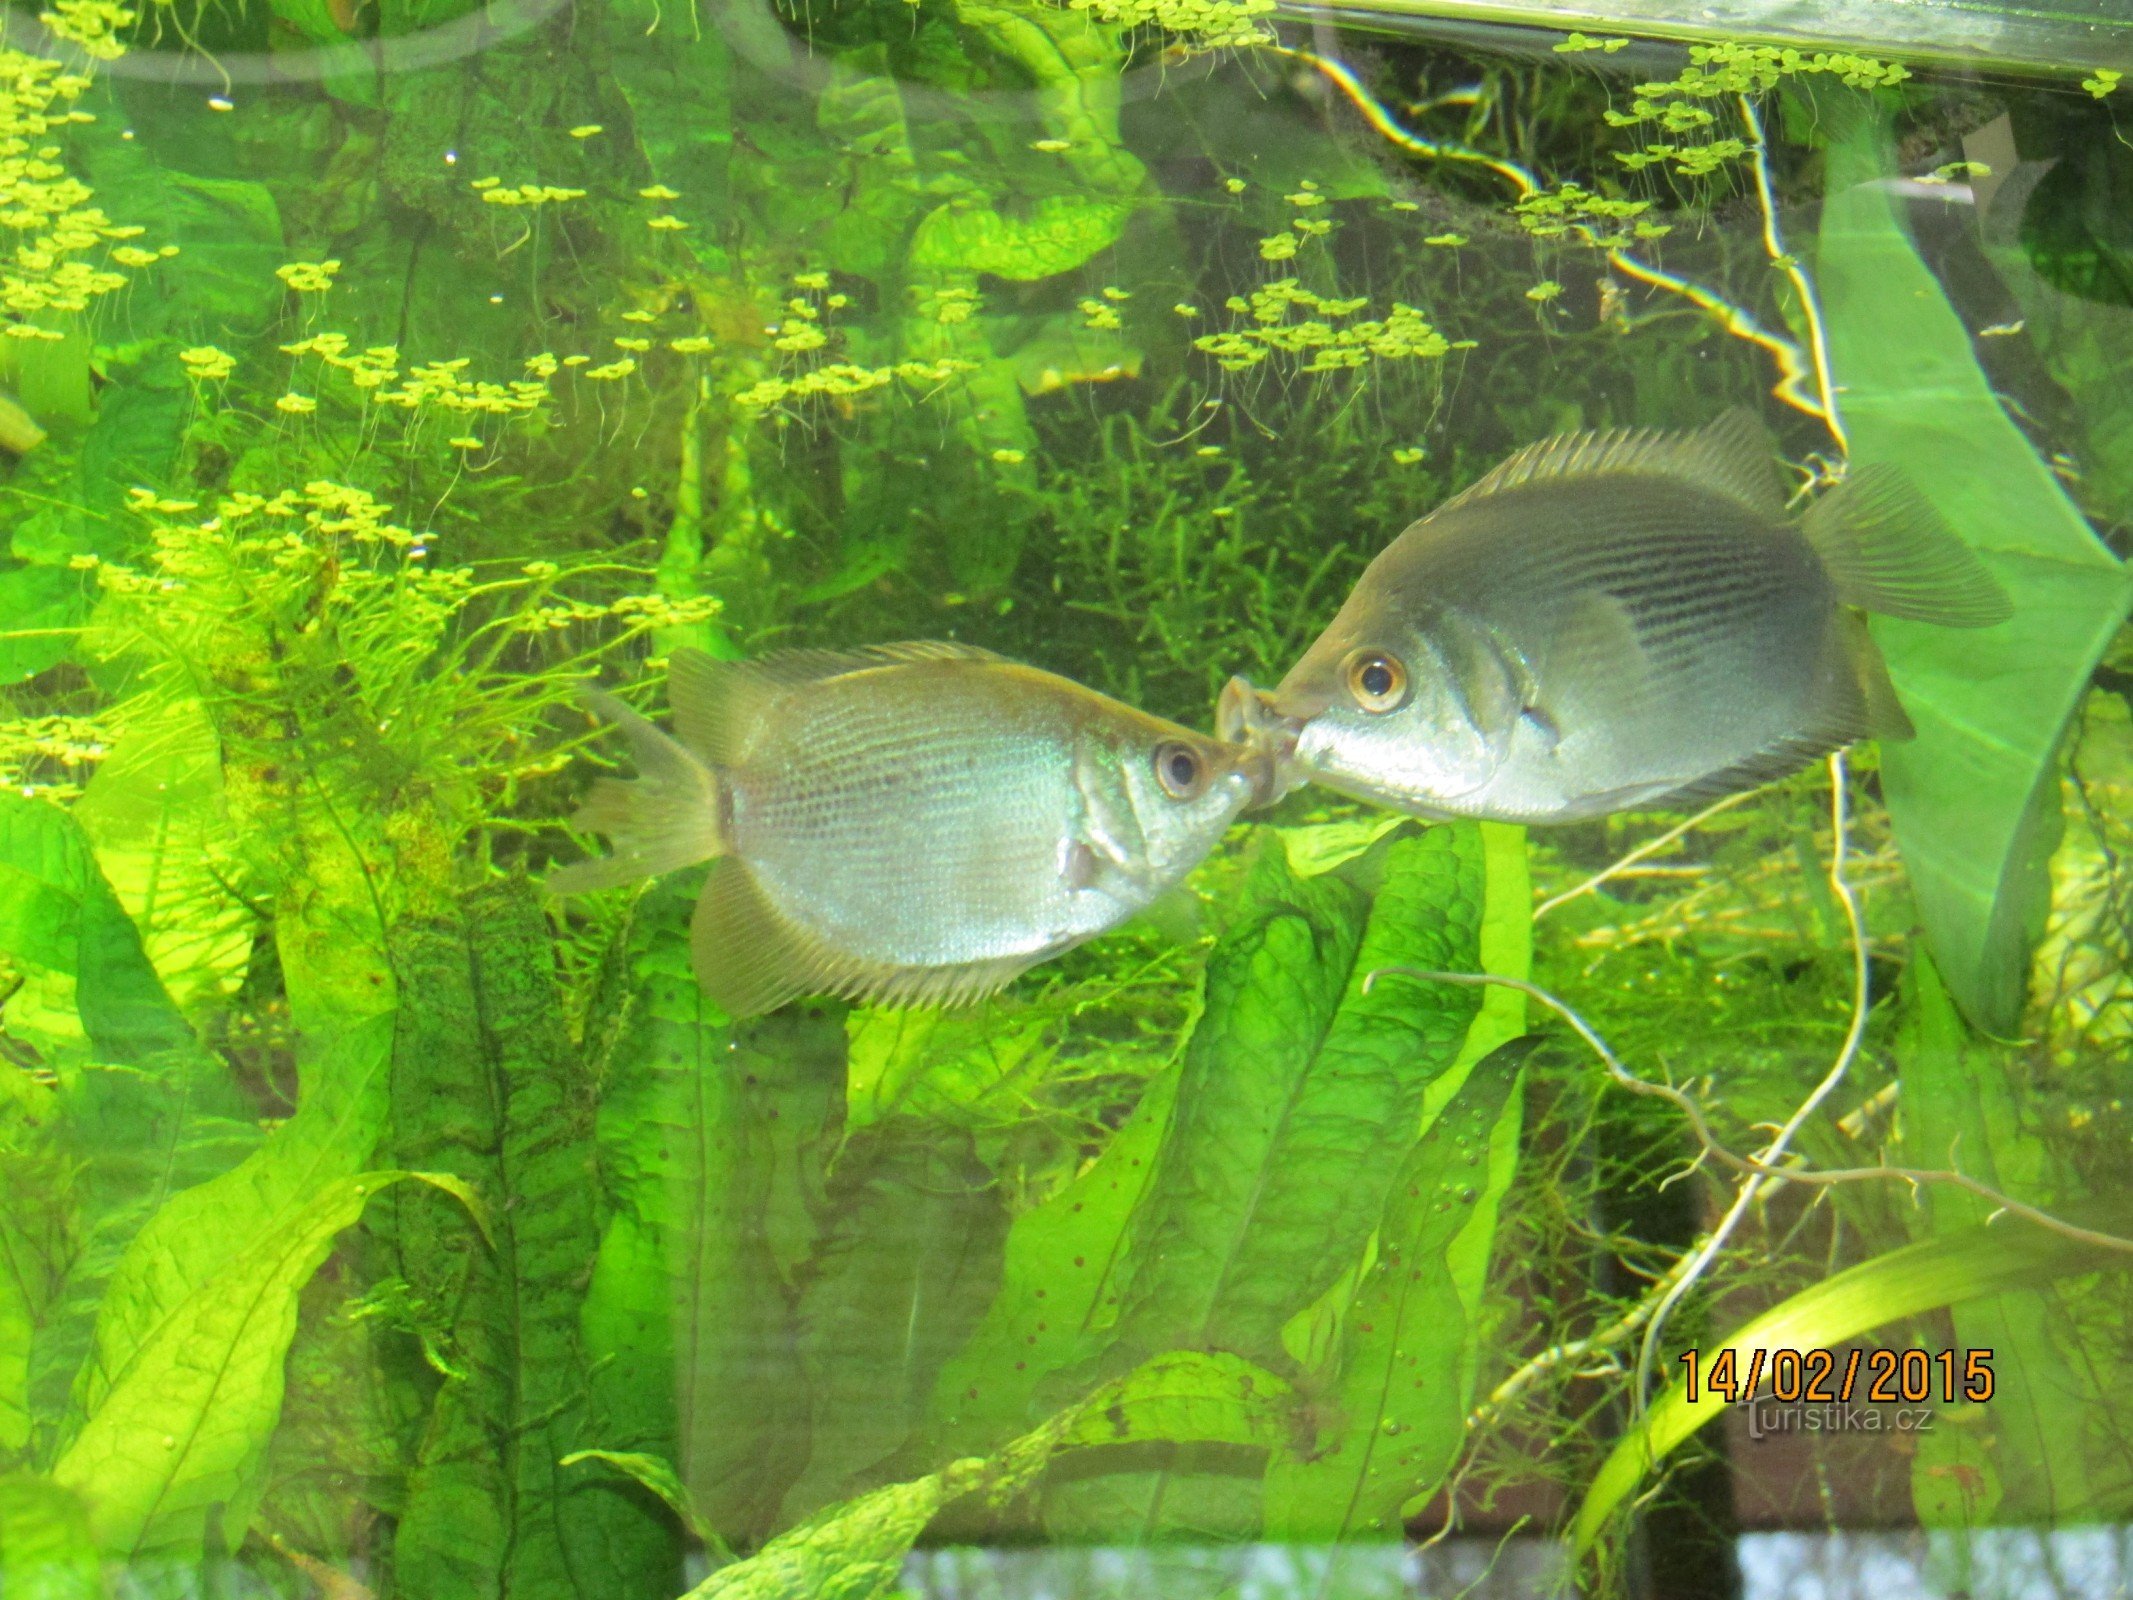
(1265,741)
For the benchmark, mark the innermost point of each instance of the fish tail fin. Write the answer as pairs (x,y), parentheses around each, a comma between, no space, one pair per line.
(672,815)
(1888,551)
(1885,717)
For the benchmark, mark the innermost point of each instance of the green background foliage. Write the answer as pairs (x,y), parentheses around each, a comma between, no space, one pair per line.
(372,1220)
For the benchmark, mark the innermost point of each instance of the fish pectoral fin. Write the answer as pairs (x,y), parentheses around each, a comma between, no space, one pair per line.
(1888,550)
(750,958)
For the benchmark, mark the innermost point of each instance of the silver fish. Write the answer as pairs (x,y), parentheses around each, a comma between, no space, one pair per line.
(910,824)
(1613,620)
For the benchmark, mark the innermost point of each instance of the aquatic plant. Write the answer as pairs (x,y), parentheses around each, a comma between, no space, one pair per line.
(367,1212)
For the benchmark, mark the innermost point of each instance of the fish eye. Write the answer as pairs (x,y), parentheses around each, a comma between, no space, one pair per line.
(1179,769)
(1377,680)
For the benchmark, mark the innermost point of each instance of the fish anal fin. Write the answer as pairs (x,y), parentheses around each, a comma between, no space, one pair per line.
(1780,759)
(1885,715)
(751,958)
(1887,550)
(1733,456)
(747,957)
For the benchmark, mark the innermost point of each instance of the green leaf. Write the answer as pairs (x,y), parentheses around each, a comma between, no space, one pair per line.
(856,1550)
(46,1551)
(177,1436)
(1058,234)
(41,613)
(975,1065)
(671,65)
(1058,1289)
(487,1086)
(1959,1113)
(155,815)
(1975,795)
(657,1474)
(1300,1092)
(58,913)
(1948,1270)
(188,1242)
(909,1263)
(711,1146)
(1405,1372)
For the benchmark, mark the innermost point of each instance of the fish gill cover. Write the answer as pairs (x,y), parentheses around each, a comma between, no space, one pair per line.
(381,373)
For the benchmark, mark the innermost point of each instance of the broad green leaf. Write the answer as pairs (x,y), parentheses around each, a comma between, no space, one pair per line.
(46,1552)
(907,1266)
(657,1474)
(1959,1112)
(711,1142)
(1974,796)
(1058,1287)
(1943,1271)
(974,1066)
(186,1244)
(856,1550)
(1405,1372)
(155,815)
(487,1086)
(671,65)
(1300,1092)
(58,913)
(1059,233)
(41,613)
(148,1115)
(176,1437)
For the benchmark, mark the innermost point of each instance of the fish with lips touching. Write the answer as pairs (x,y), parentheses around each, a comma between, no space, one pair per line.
(1615,620)
(908,824)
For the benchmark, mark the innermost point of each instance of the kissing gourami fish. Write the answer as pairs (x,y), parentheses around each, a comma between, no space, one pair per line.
(1615,620)
(908,824)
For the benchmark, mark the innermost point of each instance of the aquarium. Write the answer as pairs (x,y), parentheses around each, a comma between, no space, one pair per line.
(722,872)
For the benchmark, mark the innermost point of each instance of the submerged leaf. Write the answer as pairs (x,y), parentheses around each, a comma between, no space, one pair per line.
(711,1143)
(46,1551)
(487,1086)
(856,1550)
(1300,1091)
(1947,1270)
(177,1433)
(1959,1113)
(1975,795)
(1404,1375)
(909,1262)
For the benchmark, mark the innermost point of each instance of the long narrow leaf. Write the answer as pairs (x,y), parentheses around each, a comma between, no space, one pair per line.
(1919,1277)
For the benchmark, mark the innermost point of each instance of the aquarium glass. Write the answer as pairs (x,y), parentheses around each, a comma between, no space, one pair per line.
(1667,1201)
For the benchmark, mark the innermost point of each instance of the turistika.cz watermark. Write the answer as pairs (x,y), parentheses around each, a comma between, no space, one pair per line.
(1776,1419)
(1788,1391)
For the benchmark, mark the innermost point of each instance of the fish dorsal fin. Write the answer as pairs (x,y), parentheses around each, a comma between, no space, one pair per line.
(811,666)
(1888,550)
(719,706)
(1732,457)
(751,958)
